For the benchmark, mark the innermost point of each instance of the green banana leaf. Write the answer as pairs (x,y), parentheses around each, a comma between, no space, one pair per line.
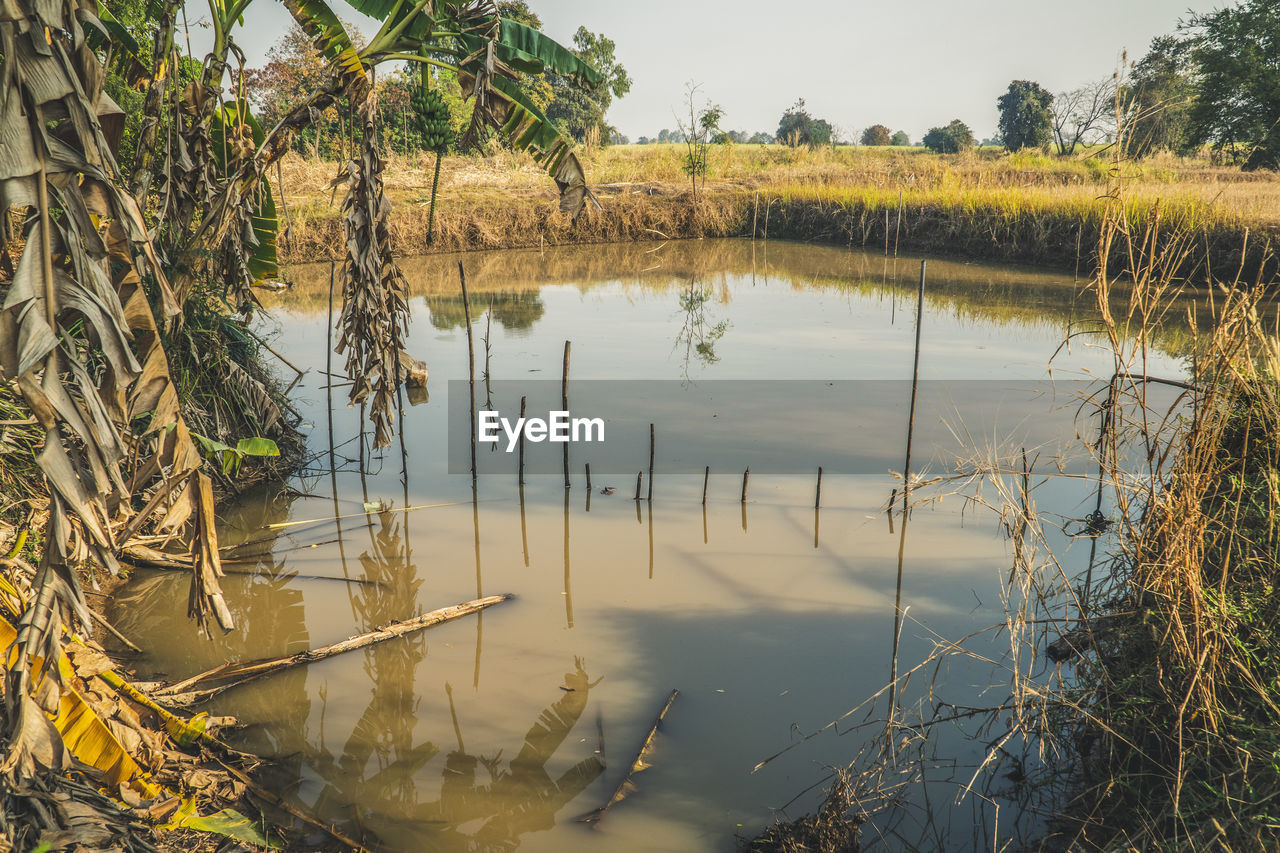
(528,50)
(228,823)
(528,127)
(378,9)
(106,30)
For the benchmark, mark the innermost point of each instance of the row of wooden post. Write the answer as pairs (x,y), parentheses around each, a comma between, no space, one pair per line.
(564,402)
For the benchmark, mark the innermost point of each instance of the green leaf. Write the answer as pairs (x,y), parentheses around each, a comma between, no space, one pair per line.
(379,9)
(231,824)
(211,446)
(523,45)
(528,128)
(263,259)
(120,36)
(257,446)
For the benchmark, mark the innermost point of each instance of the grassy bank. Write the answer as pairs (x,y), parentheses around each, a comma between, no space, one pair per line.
(986,205)
(1175,727)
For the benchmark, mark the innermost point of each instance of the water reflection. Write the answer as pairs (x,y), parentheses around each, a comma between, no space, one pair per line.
(783,624)
(523,796)
(514,310)
(699,333)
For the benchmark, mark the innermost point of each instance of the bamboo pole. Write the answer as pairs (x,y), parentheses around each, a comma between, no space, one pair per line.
(746,475)
(471,366)
(523,401)
(564,404)
(706,477)
(246,671)
(651,444)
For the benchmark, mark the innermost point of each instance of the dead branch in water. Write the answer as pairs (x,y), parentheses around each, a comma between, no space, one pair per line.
(237,674)
(627,786)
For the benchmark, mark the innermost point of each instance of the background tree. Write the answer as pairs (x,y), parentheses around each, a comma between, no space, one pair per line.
(1237,103)
(761,137)
(797,127)
(580,110)
(1159,94)
(900,138)
(1024,116)
(1083,116)
(952,139)
(701,127)
(295,66)
(877,134)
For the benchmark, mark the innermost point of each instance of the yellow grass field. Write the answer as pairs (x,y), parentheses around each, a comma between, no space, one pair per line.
(985,203)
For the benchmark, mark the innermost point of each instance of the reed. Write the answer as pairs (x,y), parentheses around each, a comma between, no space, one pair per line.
(1154,721)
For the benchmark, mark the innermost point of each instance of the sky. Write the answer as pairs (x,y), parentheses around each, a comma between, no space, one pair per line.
(909,65)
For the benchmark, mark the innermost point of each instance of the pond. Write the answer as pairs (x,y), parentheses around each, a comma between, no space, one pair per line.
(771,619)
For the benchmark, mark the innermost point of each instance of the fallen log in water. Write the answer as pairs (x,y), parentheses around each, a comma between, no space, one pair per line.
(235,674)
(627,785)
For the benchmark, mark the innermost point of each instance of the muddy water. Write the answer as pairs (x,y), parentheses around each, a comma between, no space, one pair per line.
(496,732)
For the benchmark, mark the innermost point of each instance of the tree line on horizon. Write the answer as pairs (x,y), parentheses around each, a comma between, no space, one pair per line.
(1213,85)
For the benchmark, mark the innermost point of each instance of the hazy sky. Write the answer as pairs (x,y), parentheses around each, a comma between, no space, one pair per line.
(910,65)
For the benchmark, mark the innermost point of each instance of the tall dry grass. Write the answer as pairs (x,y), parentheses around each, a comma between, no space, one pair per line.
(1143,701)
(1024,207)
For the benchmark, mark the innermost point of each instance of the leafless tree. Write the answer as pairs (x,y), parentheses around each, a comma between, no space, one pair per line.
(1083,116)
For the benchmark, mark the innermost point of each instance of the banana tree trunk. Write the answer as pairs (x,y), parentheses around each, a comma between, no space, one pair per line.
(140,173)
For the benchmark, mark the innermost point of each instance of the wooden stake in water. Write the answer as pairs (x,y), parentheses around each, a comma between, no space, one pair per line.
(746,475)
(524,529)
(897,228)
(906,492)
(564,404)
(651,444)
(471,365)
(817,497)
(639,477)
(588,476)
(568,589)
(915,381)
(523,401)
(705,478)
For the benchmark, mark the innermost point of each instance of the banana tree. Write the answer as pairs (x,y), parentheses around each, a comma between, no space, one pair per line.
(487,53)
(469,38)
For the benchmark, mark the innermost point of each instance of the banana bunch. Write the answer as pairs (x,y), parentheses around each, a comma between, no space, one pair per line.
(433,119)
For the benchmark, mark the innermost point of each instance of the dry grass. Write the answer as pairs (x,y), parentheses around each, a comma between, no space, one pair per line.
(983,204)
(1163,729)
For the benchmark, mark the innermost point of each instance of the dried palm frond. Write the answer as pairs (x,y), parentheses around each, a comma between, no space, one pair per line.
(78,337)
(374,309)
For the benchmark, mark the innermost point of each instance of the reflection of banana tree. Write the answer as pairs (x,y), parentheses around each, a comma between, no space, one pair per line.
(520,798)
(385,730)
(698,335)
(523,797)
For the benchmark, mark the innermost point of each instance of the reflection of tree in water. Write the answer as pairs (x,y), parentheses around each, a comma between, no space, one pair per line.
(515,310)
(512,801)
(698,335)
(384,732)
(522,797)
